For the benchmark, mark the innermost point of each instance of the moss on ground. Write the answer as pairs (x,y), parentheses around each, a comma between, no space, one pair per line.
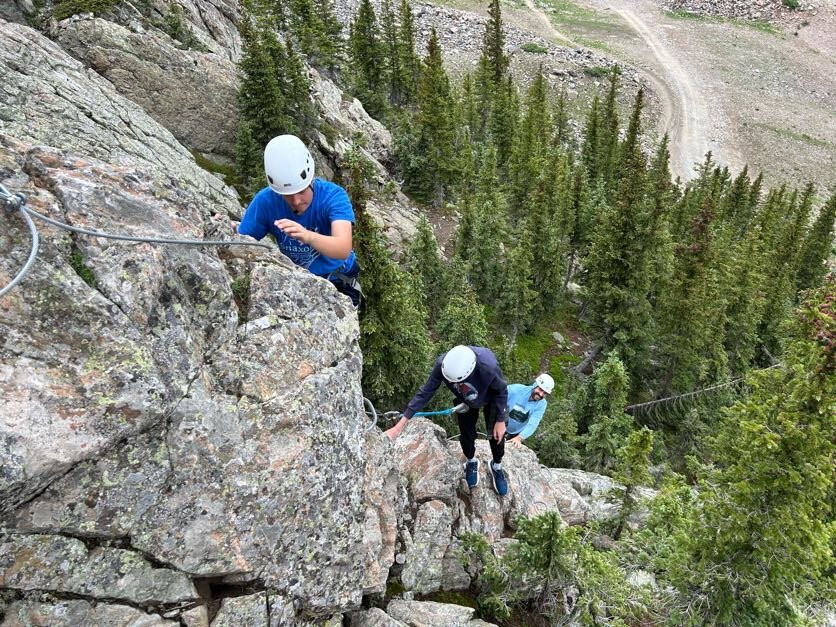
(67,8)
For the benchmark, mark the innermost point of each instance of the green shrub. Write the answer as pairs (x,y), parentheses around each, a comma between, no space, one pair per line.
(534,47)
(174,26)
(596,71)
(78,265)
(791,4)
(67,8)
(241,294)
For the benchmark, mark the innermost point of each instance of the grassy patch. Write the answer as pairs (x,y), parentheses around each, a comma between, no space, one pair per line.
(227,172)
(761,25)
(67,8)
(596,71)
(568,14)
(682,14)
(81,269)
(534,48)
(531,347)
(595,44)
(803,138)
(241,294)
(394,588)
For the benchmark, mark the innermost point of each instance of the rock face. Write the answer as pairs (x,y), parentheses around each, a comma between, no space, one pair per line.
(76,612)
(193,94)
(139,413)
(65,565)
(441,506)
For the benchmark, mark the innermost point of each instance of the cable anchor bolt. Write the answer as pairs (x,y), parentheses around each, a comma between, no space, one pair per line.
(11,202)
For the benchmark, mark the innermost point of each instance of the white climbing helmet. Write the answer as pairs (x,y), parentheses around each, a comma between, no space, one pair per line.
(458,363)
(545,383)
(288,164)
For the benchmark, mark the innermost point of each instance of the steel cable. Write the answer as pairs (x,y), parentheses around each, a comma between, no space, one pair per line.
(14,203)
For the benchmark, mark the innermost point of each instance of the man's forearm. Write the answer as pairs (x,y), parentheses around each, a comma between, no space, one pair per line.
(330,246)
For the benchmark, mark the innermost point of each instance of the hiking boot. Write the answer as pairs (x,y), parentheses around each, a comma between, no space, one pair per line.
(471,473)
(500,484)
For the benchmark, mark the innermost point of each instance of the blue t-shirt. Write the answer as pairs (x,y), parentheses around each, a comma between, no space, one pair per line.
(330,202)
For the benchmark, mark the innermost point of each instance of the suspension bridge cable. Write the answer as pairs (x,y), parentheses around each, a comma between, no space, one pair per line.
(680,397)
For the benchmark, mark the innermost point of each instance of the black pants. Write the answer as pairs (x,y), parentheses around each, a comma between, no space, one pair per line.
(467,432)
(345,284)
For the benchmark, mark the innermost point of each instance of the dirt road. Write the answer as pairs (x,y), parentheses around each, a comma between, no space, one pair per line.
(752,93)
(548,26)
(684,111)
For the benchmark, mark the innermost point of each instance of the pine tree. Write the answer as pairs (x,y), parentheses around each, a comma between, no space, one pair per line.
(389,37)
(632,472)
(465,232)
(516,302)
(575,583)
(763,535)
(548,240)
(409,61)
(393,330)
(782,268)
(315,27)
(692,311)
(609,424)
(294,84)
(817,247)
(369,82)
(249,161)
(531,141)
(262,105)
(620,258)
(493,62)
(433,173)
(589,151)
(745,300)
(661,195)
(493,57)
(560,135)
(577,227)
(607,145)
(735,206)
(489,224)
(503,119)
(462,318)
(423,261)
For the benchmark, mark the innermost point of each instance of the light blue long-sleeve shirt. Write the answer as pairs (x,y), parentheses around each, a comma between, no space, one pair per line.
(524,414)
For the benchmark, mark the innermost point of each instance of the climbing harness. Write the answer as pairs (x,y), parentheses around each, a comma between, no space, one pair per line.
(13,203)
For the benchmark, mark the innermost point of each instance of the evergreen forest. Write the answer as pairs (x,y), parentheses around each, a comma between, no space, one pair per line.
(689,326)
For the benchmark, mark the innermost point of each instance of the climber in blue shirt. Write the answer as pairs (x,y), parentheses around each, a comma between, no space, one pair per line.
(311,219)
(526,406)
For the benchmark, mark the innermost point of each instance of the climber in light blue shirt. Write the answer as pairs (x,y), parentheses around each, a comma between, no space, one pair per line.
(526,406)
